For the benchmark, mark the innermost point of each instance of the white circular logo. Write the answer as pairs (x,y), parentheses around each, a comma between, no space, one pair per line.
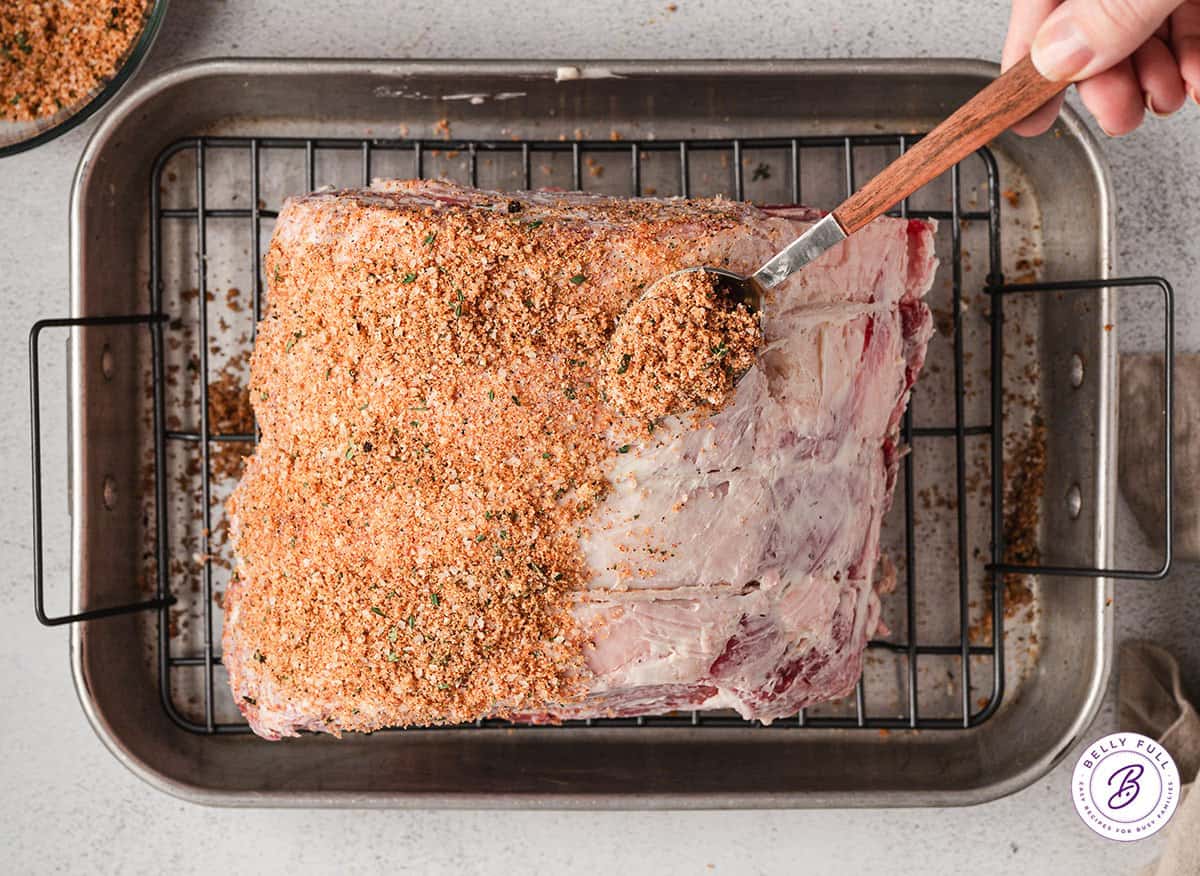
(1125,787)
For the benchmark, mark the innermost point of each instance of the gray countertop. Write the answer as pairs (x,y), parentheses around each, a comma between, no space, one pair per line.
(68,805)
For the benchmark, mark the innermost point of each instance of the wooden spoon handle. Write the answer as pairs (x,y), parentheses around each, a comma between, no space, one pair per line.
(1007,100)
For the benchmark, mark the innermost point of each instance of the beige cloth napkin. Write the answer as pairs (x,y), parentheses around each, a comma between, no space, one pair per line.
(1140,446)
(1151,701)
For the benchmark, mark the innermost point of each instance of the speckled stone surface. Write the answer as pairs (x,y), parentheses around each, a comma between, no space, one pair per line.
(69,806)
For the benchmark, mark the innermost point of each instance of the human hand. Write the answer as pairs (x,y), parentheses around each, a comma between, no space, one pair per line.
(1125,56)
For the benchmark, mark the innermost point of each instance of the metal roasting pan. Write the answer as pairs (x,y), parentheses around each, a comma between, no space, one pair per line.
(1046,708)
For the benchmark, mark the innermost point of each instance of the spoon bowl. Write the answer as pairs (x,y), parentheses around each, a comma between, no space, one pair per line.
(690,337)
(730,286)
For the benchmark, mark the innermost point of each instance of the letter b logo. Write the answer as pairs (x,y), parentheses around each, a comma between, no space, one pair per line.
(1125,780)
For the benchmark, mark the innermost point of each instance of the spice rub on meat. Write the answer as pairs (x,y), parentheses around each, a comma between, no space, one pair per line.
(444,520)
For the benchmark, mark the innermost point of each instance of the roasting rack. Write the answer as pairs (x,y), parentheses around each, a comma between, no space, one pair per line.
(980,665)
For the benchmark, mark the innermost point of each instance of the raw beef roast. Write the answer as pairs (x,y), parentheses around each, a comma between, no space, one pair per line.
(723,559)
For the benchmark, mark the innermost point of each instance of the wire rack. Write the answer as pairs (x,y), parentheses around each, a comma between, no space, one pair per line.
(211,205)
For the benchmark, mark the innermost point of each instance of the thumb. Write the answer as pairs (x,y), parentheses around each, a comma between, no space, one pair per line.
(1084,37)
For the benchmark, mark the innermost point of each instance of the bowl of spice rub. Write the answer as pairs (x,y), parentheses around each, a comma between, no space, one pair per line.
(61,60)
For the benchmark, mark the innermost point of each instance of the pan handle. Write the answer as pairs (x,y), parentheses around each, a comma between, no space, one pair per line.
(1160,285)
(39,596)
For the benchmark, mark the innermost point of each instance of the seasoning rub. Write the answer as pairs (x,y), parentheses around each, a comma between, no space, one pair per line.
(56,54)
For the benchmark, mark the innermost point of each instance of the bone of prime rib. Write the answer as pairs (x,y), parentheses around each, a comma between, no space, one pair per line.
(762,526)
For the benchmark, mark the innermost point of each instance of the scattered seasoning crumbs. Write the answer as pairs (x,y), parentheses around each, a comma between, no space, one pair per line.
(1025,466)
(229,413)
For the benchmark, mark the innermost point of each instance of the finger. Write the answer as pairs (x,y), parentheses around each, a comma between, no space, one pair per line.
(1083,37)
(1185,40)
(1040,120)
(1114,97)
(1023,22)
(1158,76)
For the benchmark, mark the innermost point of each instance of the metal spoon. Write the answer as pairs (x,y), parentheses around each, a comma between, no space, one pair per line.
(1002,103)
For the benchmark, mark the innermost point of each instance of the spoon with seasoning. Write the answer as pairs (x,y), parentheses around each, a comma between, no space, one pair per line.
(683,347)
(660,358)
(1005,101)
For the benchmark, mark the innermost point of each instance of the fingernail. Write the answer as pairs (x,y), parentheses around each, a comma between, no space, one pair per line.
(1193,95)
(1153,111)
(1060,51)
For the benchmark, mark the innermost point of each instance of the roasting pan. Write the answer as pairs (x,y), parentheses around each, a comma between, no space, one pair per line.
(1045,202)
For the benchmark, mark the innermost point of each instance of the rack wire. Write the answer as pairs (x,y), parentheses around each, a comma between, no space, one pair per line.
(978,662)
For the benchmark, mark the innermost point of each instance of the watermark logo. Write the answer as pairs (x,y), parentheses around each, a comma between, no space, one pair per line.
(1125,787)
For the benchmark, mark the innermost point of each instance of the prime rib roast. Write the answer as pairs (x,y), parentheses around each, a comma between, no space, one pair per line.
(729,560)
